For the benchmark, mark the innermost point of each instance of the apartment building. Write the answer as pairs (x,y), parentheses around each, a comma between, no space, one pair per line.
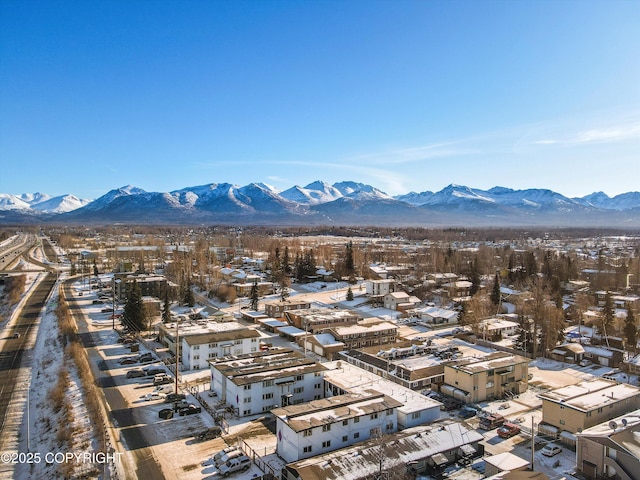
(493,376)
(366,333)
(277,308)
(575,408)
(325,425)
(317,320)
(261,381)
(610,449)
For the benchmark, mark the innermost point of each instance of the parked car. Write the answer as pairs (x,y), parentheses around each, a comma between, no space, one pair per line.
(550,450)
(128,361)
(208,434)
(152,396)
(174,397)
(166,413)
(190,409)
(508,430)
(466,412)
(490,422)
(585,362)
(153,371)
(135,373)
(228,456)
(145,357)
(222,453)
(161,379)
(238,464)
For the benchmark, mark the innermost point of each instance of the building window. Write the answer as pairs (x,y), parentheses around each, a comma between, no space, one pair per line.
(389,426)
(254,340)
(307,449)
(298,390)
(389,411)
(356,435)
(247,387)
(345,438)
(307,433)
(317,374)
(356,420)
(326,428)
(600,410)
(213,345)
(196,357)
(490,384)
(246,412)
(374,416)
(374,431)
(267,383)
(196,347)
(317,386)
(298,378)
(238,342)
(415,415)
(345,422)
(561,422)
(213,354)
(326,444)
(267,396)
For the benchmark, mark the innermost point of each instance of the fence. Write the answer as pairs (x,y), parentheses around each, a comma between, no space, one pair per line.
(269,471)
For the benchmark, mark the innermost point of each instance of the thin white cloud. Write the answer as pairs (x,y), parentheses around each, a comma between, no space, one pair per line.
(605,134)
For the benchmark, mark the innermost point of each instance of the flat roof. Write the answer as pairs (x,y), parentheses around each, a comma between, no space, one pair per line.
(269,365)
(489,362)
(591,395)
(357,380)
(334,409)
(362,460)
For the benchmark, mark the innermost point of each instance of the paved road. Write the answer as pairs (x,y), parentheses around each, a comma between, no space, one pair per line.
(14,348)
(121,415)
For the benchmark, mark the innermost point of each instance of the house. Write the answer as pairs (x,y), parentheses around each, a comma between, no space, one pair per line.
(439,279)
(575,408)
(328,424)
(495,329)
(494,376)
(424,449)
(323,344)
(435,315)
(400,301)
(568,352)
(259,382)
(277,308)
(610,449)
(379,288)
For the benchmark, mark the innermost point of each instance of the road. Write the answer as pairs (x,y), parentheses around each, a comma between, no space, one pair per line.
(121,415)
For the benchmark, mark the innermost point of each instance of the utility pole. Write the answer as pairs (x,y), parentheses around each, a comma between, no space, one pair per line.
(177,360)
(533,444)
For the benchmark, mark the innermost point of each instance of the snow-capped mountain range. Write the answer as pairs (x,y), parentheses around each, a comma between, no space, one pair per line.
(347,203)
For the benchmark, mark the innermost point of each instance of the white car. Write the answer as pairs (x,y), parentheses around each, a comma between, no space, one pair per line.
(153,396)
(550,450)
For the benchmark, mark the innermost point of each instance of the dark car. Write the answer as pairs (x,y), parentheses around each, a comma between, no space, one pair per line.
(136,372)
(128,361)
(174,397)
(208,434)
(190,409)
(153,371)
(145,357)
(466,412)
(166,413)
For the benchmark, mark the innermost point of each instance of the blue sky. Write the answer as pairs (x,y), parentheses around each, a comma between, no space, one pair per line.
(401,95)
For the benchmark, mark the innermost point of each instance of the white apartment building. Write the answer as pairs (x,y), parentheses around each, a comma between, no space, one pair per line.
(259,382)
(325,425)
(379,288)
(199,349)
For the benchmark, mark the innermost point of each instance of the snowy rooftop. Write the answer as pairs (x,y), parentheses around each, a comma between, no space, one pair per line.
(625,431)
(200,327)
(354,379)
(410,445)
(489,362)
(354,329)
(260,366)
(334,409)
(591,395)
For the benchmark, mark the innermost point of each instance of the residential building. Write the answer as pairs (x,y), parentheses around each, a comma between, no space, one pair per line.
(317,320)
(323,344)
(400,301)
(574,408)
(259,382)
(425,449)
(494,376)
(495,329)
(435,315)
(150,285)
(416,409)
(377,289)
(610,449)
(277,308)
(366,333)
(325,425)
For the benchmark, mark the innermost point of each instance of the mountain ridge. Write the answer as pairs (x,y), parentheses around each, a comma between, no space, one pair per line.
(345,202)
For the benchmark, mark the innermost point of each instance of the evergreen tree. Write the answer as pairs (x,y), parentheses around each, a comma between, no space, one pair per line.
(188,298)
(631,331)
(286,262)
(608,315)
(166,309)
(349,266)
(474,277)
(134,315)
(254,296)
(495,291)
(349,294)
(524,342)
(95,269)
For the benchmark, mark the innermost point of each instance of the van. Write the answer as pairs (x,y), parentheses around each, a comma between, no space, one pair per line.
(237,464)
(161,379)
(491,421)
(228,456)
